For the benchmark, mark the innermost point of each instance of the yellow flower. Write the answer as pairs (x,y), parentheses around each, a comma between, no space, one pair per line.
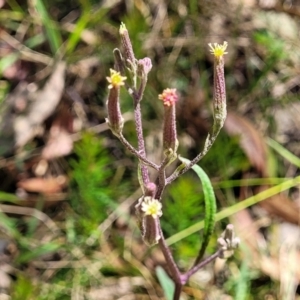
(218,50)
(152,207)
(115,79)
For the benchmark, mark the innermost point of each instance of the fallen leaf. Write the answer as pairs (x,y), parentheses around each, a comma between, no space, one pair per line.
(251,141)
(44,104)
(43,185)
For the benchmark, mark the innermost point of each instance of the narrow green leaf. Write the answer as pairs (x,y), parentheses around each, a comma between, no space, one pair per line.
(75,36)
(39,251)
(7,197)
(8,225)
(8,60)
(53,33)
(210,205)
(292,158)
(166,282)
(227,212)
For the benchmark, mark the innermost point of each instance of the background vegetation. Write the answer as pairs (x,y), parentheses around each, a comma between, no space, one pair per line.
(67,188)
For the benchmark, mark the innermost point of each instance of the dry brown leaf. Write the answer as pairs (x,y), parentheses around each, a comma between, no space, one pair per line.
(251,141)
(59,144)
(43,185)
(46,100)
(247,229)
(281,206)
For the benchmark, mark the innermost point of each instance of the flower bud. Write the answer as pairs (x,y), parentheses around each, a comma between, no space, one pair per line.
(219,102)
(126,43)
(150,189)
(115,120)
(144,67)
(148,211)
(169,97)
(151,234)
(228,242)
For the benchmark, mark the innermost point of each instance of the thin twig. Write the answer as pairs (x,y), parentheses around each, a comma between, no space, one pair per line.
(173,269)
(208,144)
(203,263)
(140,137)
(138,154)
(28,211)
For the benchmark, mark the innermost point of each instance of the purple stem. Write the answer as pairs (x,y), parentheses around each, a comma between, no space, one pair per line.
(210,141)
(129,147)
(173,269)
(141,143)
(184,277)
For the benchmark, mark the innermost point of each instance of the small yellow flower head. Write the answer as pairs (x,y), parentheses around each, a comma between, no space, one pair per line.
(115,79)
(218,50)
(152,207)
(168,96)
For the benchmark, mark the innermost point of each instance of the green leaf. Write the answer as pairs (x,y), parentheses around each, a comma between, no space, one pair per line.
(166,282)
(210,206)
(53,34)
(7,197)
(75,36)
(8,60)
(292,158)
(39,251)
(231,210)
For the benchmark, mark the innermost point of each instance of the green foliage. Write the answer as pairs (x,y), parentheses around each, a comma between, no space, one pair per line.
(217,162)
(30,254)
(166,282)
(92,196)
(53,33)
(23,289)
(183,206)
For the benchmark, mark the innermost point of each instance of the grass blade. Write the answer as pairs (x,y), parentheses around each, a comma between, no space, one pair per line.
(293,159)
(52,32)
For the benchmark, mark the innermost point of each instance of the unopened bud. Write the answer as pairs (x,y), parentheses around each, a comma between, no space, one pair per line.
(126,43)
(115,120)
(151,234)
(228,242)
(119,62)
(150,189)
(148,211)
(169,98)
(219,102)
(144,67)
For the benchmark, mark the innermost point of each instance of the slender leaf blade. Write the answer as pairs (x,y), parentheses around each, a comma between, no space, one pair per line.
(166,282)
(210,205)
(54,37)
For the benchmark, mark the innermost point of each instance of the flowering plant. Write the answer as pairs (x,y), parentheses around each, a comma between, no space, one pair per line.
(132,74)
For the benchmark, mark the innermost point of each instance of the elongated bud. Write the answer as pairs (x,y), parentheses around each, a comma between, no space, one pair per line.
(148,211)
(219,101)
(119,62)
(151,234)
(115,120)
(126,43)
(169,98)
